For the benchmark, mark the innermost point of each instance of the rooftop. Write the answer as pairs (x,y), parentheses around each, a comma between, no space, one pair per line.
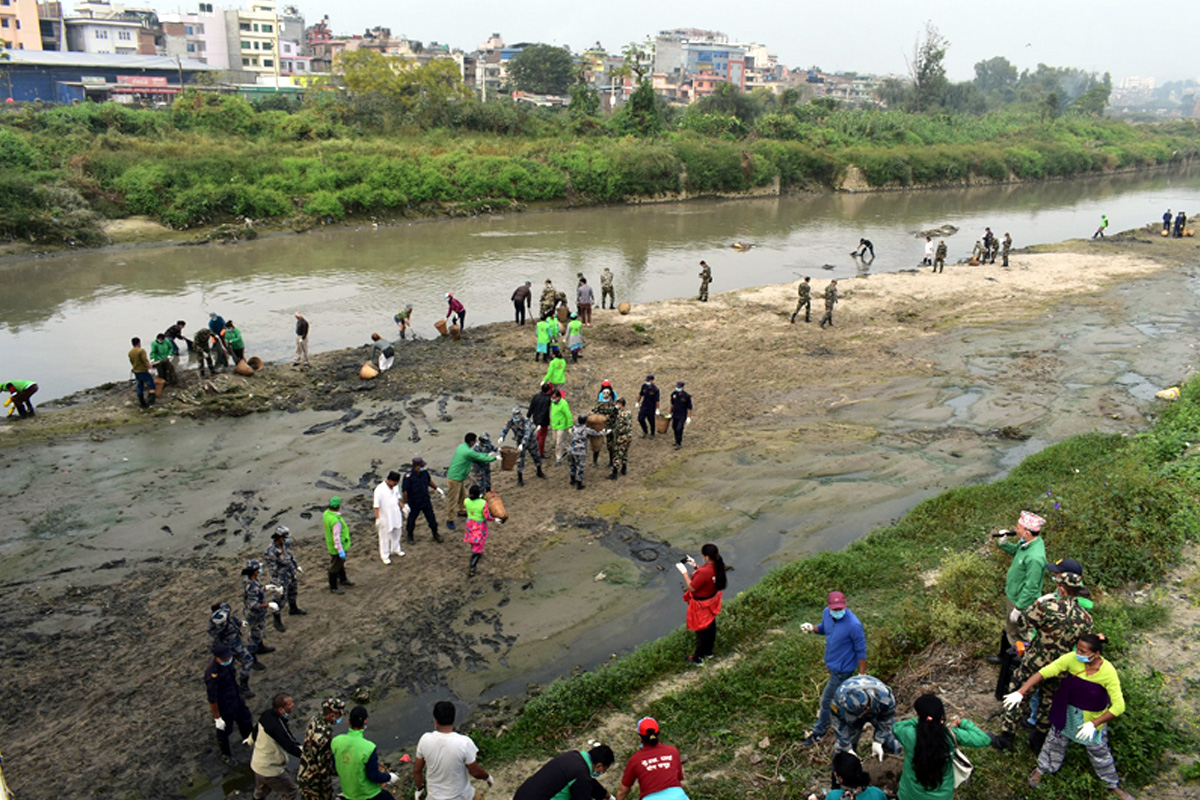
(57,58)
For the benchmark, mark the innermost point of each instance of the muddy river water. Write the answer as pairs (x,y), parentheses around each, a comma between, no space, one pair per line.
(101,506)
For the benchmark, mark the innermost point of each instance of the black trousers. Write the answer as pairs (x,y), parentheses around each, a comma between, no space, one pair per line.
(705,639)
(519,308)
(425,508)
(646,420)
(677,423)
(240,718)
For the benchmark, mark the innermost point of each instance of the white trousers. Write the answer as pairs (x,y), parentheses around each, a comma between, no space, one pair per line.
(389,540)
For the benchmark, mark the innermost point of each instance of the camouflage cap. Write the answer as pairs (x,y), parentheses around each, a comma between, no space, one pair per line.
(852,702)
(1067,571)
(334,705)
(253,565)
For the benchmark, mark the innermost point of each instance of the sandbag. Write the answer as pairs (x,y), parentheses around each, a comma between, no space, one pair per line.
(368,371)
(255,363)
(159,385)
(624,308)
(564,315)
(974,262)
(597,422)
(1189,232)
(508,458)
(1166,232)
(243,368)
(663,424)
(455,332)
(441,326)
(495,505)
(596,443)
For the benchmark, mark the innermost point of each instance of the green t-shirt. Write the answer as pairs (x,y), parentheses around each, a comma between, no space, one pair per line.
(475,508)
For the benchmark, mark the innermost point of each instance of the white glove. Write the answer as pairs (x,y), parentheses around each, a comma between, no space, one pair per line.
(270,587)
(245,624)
(877,750)
(1012,700)
(273,606)
(417,794)
(220,723)
(682,570)
(405,509)
(1087,732)
(1015,616)
(491,781)
(249,740)
(687,421)
(657,413)
(1005,532)
(393,778)
(300,569)
(501,440)
(691,562)
(440,492)
(807,627)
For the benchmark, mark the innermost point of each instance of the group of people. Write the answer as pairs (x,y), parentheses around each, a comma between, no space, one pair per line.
(214,346)
(986,249)
(804,301)
(1174,228)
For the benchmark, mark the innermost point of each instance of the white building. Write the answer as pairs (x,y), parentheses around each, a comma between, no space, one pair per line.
(254,38)
(199,35)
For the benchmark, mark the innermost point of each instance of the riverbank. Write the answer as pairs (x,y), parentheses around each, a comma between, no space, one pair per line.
(186,493)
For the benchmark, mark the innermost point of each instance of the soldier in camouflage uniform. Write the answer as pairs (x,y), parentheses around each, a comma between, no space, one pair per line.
(705,279)
(316,760)
(1059,620)
(804,290)
(606,404)
(1004,248)
(524,434)
(548,302)
(282,566)
(203,347)
(606,289)
(255,606)
(577,450)
(831,298)
(481,471)
(939,257)
(224,628)
(622,435)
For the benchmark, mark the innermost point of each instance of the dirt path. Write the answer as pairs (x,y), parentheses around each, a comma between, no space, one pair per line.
(109,575)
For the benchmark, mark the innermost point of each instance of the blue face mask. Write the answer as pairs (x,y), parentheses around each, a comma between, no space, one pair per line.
(838,614)
(338,721)
(225,663)
(286,715)
(1083,658)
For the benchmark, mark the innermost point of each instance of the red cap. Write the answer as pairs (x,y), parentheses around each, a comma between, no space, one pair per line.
(647,725)
(837,601)
(606,383)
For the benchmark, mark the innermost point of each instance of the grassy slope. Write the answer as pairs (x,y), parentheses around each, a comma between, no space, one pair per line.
(1124,506)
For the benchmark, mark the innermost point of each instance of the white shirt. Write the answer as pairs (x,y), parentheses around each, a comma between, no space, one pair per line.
(387,500)
(446,757)
(928,249)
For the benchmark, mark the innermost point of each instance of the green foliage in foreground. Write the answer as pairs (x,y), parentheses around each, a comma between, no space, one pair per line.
(1125,507)
(212,159)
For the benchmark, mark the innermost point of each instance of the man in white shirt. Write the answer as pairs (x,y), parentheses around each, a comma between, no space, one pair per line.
(389,518)
(446,761)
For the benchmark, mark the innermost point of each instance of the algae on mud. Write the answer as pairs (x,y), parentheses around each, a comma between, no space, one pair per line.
(831,420)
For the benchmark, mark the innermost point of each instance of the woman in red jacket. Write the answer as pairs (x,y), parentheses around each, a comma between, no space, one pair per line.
(704,599)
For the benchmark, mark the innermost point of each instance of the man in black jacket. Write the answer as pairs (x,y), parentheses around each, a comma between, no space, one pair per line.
(522,299)
(225,701)
(273,743)
(571,769)
(539,413)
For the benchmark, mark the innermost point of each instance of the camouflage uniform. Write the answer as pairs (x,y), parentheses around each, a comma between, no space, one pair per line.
(577,451)
(609,409)
(705,279)
(226,629)
(316,761)
(281,565)
(203,347)
(622,434)
(481,472)
(606,288)
(254,596)
(979,252)
(547,302)
(859,700)
(831,298)
(524,437)
(805,301)
(994,250)
(1059,621)
(1004,248)
(939,257)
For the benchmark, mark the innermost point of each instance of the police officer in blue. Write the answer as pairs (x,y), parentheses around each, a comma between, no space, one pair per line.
(226,700)
(859,700)
(226,629)
(281,563)
(256,606)
(523,433)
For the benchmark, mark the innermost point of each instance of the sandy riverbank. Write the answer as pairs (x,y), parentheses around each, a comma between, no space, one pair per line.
(108,584)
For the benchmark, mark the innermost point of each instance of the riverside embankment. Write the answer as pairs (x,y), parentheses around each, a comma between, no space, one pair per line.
(131,526)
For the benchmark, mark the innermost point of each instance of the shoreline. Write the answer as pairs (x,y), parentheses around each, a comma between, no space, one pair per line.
(806,396)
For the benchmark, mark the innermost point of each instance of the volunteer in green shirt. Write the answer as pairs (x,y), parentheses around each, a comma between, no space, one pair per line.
(234,341)
(161,353)
(19,394)
(460,467)
(337,542)
(561,423)
(1023,584)
(402,321)
(928,749)
(543,340)
(575,336)
(556,373)
(357,762)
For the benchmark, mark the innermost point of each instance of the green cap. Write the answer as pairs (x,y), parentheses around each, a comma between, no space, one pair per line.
(335,502)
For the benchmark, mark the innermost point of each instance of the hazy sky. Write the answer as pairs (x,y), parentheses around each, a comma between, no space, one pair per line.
(1126,38)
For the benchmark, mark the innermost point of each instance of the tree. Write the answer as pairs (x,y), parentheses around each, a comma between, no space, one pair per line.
(1093,101)
(926,70)
(541,68)
(995,76)
(421,93)
(730,101)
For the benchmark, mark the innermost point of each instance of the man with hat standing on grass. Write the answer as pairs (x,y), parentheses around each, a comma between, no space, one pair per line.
(337,542)
(316,759)
(1022,586)
(845,652)
(1055,622)
(225,700)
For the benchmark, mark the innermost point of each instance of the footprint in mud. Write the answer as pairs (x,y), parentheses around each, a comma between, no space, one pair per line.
(350,415)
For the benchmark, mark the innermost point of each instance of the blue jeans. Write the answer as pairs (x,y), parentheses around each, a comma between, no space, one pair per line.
(144,381)
(825,716)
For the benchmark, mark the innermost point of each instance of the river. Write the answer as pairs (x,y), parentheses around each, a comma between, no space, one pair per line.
(66,320)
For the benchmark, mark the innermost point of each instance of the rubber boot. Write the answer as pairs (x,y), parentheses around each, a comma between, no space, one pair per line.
(573,481)
(244,685)
(279,626)
(520,479)
(1037,737)
(264,649)
(343,579)
(614,474)
(474,563)
(1004,645)
(333,584)
(579,485)
(153,398)
(296,610)
(623,466)
(1003,742)
(258,666)
(793,319)
(540,474)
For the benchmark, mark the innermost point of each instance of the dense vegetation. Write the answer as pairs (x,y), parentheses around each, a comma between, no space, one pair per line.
(416,144)
(1125,507)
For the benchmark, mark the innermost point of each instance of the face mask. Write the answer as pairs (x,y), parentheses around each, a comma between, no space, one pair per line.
(838,614)
(225,663)
(596,773)
(338,721)
(1083,658)
(286,715)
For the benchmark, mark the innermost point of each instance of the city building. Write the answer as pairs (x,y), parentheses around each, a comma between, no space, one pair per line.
(254,38)
(199,35)
(64,77)
(97,26)
(19,26)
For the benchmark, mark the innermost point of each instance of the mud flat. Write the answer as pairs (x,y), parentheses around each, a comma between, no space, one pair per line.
(130,524)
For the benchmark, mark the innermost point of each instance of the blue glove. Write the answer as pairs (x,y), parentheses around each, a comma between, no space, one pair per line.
(342,554)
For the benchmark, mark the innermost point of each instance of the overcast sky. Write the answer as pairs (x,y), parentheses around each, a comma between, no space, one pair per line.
(1125,38)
